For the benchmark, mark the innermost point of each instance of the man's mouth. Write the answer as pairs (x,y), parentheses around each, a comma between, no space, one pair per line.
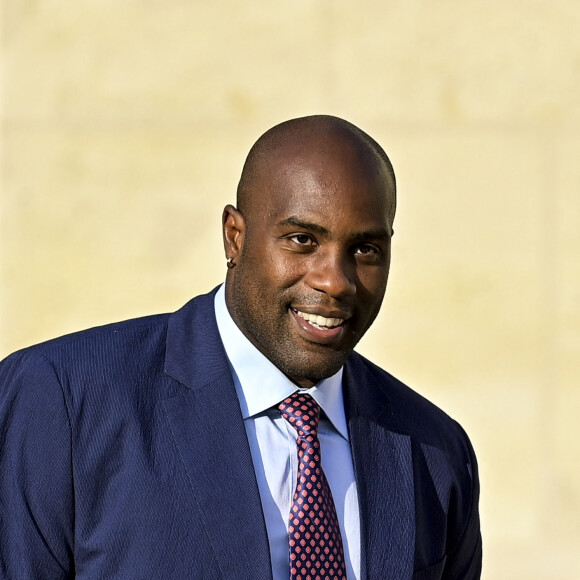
(318,321)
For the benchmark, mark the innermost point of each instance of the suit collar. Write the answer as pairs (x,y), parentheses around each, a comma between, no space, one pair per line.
(195,355)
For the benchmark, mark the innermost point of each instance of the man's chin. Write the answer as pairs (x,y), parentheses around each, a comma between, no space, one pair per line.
(314,370)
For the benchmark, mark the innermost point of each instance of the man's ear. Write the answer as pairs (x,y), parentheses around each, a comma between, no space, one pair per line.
(233,229)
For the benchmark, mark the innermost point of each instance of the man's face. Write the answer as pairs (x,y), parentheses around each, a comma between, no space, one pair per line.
(314,261)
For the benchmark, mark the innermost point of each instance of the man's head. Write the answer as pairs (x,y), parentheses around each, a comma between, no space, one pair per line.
(310,242)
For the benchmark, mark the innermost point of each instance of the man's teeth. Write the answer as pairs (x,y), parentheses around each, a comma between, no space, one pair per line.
(320,321)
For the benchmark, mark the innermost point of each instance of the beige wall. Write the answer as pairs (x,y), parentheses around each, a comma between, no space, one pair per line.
(124,127)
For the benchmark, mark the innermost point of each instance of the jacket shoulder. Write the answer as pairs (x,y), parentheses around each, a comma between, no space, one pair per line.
(99,358)
(101,333)
(405,411)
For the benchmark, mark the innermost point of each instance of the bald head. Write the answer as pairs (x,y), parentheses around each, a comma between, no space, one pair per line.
(318,135)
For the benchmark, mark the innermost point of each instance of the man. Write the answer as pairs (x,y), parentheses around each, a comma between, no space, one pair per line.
(241,437)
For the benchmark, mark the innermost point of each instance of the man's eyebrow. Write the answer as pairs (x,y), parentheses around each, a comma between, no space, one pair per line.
(380,234)
(299,223)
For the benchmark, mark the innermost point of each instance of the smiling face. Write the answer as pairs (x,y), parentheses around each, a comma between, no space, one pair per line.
(311,252)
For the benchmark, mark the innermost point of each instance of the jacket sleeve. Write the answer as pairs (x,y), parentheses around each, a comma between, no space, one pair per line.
(464,563)
(36,490)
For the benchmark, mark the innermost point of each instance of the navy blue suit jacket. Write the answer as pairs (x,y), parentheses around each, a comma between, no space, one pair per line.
(123,454)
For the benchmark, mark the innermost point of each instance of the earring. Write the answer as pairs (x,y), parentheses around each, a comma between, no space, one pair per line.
(230,263)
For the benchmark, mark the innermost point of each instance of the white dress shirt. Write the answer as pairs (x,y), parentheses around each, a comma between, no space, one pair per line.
(260,387)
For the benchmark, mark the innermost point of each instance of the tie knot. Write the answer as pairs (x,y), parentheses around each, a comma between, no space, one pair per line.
(302,412)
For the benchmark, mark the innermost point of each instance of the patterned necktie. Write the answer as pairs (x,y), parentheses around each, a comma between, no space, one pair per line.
(316,549)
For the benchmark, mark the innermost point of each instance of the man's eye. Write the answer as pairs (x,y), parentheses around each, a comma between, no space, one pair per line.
(302,239)
(364,250)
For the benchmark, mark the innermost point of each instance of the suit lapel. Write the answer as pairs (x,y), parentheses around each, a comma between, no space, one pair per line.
(384,475)
(209,433)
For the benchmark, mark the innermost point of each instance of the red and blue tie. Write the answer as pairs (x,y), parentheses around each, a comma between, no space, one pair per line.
(316,551)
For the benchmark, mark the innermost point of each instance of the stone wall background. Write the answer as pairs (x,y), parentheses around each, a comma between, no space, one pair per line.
(124,129)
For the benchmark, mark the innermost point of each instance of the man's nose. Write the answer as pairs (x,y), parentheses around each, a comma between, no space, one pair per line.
(334,274)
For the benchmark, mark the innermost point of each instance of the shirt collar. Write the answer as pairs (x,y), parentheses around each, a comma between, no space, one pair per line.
(262,385)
